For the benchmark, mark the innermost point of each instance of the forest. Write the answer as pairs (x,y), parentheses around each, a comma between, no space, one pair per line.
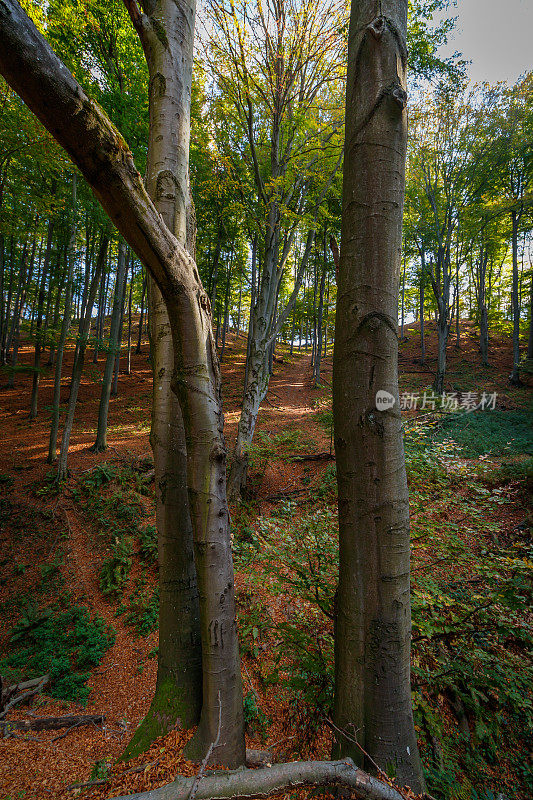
(266,441)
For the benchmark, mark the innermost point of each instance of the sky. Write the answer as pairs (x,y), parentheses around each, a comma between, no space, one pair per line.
(496,35)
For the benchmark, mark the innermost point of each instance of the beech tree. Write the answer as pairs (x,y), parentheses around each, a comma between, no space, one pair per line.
(273,62)
(80,126)
(373,615)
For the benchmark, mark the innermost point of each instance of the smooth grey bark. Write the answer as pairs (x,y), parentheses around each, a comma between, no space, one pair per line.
(39,323)
(79,358)
(178,695)
(277,779)
(373,614)
(83,130)
(210,678)
(65,327)
(103,409)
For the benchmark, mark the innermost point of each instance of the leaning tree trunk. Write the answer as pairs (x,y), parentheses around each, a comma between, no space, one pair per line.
(373,614)
(81,127)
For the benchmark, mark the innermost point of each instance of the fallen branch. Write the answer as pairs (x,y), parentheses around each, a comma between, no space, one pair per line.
(261,783)
(315,457)
(258,758)
(8,700)
(284,493)
(53,723)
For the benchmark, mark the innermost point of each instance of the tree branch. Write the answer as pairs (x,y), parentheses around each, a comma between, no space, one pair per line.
(81,127)
(261,783)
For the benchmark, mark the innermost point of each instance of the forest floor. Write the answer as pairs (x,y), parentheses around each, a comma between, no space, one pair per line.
(88,554)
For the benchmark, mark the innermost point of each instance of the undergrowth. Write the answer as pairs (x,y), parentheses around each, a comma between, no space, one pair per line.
(111,496)
(61,641)
(471,593)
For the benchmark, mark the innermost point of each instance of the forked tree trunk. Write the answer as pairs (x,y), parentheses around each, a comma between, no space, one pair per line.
(373,615)
(81,127)
(178,695)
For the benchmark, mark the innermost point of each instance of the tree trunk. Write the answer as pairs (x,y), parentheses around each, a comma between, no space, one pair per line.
(422,301)
(178,695)
(252,305)
(79,358)
(38,326)
(19,310)
(403,298)
(263,333)
(530,337)
(114,386)
(515,374)
(226,307)
(103,410)
(128,363)
(65,327)
(443,329)
(373,615)
(318,353)
(141,318)
(81,127)
(62,279)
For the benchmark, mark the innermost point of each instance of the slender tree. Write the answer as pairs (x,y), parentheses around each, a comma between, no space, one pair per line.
(373,615)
